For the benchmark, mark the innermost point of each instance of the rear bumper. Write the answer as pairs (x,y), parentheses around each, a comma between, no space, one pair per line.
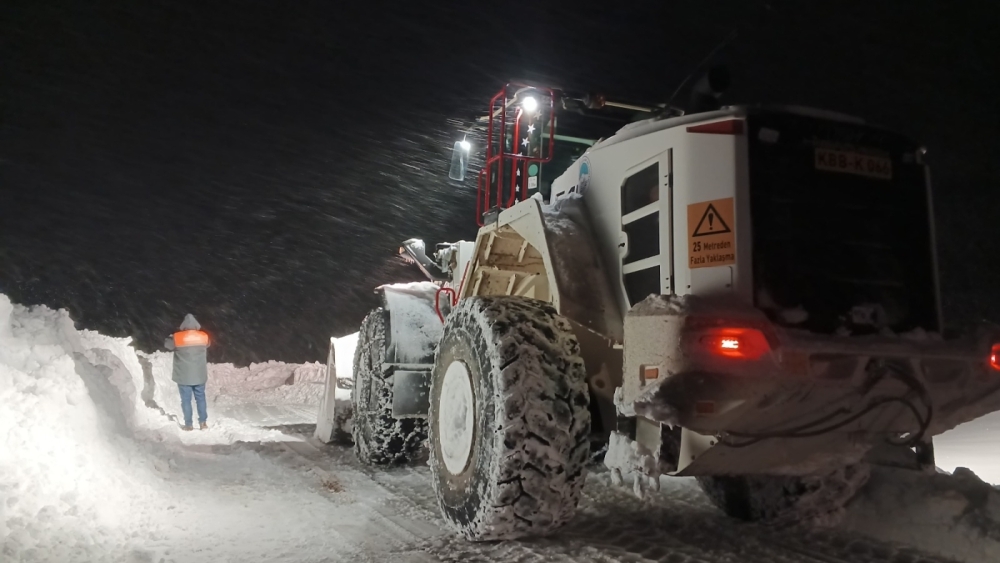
(814,384)
(809,401)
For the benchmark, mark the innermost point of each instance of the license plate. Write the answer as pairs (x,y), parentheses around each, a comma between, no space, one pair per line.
(868,165)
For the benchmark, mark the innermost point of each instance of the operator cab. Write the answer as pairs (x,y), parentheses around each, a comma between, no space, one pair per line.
(820,220)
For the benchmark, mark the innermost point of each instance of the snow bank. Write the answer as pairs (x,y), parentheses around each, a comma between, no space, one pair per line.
(957,515)
(66,455)
(268,383)
(87,471)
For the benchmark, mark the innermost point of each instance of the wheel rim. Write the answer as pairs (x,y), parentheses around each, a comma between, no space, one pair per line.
(456,421)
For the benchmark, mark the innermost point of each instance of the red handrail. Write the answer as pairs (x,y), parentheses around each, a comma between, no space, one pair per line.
(437,300)
(497,156)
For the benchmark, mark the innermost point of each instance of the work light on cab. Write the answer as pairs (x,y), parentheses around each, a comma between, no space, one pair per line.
(736,343)
(529,104)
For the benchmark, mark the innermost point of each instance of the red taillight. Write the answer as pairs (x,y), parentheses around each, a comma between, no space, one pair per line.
(995,357)
(736,343)
(729,127)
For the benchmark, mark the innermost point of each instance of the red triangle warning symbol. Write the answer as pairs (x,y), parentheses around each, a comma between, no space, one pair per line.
(711,223)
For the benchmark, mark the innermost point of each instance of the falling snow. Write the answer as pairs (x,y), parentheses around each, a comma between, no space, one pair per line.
(258,165)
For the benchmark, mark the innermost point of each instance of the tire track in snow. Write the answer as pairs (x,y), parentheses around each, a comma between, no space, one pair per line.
(681,513)
(393,532)
(675,525)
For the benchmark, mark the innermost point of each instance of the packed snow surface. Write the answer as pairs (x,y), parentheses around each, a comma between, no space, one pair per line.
(94,468)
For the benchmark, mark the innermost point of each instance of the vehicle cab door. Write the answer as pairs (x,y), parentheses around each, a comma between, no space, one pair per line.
(645,242)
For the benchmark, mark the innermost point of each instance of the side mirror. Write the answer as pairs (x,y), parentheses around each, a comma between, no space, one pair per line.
(460,160)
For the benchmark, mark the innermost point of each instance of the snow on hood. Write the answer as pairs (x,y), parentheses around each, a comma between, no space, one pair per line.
(190,323)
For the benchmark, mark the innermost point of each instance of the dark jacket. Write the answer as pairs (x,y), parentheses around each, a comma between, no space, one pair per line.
(190,346)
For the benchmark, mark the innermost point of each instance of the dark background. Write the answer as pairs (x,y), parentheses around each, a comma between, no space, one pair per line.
(257,163)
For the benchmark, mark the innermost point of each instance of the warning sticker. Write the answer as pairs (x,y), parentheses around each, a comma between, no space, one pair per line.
(711,234)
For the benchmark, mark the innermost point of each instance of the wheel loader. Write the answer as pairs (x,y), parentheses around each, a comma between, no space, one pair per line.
(743,294)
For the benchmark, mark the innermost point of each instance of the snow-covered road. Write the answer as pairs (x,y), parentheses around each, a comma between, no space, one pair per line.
(93,467)
(675,525)
(331,509)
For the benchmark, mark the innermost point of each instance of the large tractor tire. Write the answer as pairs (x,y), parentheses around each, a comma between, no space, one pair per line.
(786,499)
(509,419)
(380,438)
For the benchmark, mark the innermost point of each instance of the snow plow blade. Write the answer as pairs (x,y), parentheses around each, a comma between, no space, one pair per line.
(796,402)
(335,419)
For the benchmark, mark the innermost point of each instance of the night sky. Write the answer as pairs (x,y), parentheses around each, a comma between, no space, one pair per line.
(257,163)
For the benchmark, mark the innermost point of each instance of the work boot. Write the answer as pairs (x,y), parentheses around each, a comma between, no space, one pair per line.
(204,426)
(187,428)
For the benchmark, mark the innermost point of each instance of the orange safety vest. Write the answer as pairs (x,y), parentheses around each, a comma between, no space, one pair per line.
(190,338)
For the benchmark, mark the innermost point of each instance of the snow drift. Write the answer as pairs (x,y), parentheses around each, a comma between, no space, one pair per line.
(268,383)
(70,411)
(955,515)
(83,459)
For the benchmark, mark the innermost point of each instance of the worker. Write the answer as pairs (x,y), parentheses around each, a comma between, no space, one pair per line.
(190,346)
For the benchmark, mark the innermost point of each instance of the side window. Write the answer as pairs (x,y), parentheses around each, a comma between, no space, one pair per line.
(641,189)
(640,275)
(643,237)
(640,284)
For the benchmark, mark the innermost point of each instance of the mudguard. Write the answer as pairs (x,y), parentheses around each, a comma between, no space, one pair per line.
(414,331)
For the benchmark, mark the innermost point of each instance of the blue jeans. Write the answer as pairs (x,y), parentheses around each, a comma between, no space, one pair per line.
(199,397)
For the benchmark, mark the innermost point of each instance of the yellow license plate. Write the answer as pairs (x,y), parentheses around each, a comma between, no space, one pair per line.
(869,165)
